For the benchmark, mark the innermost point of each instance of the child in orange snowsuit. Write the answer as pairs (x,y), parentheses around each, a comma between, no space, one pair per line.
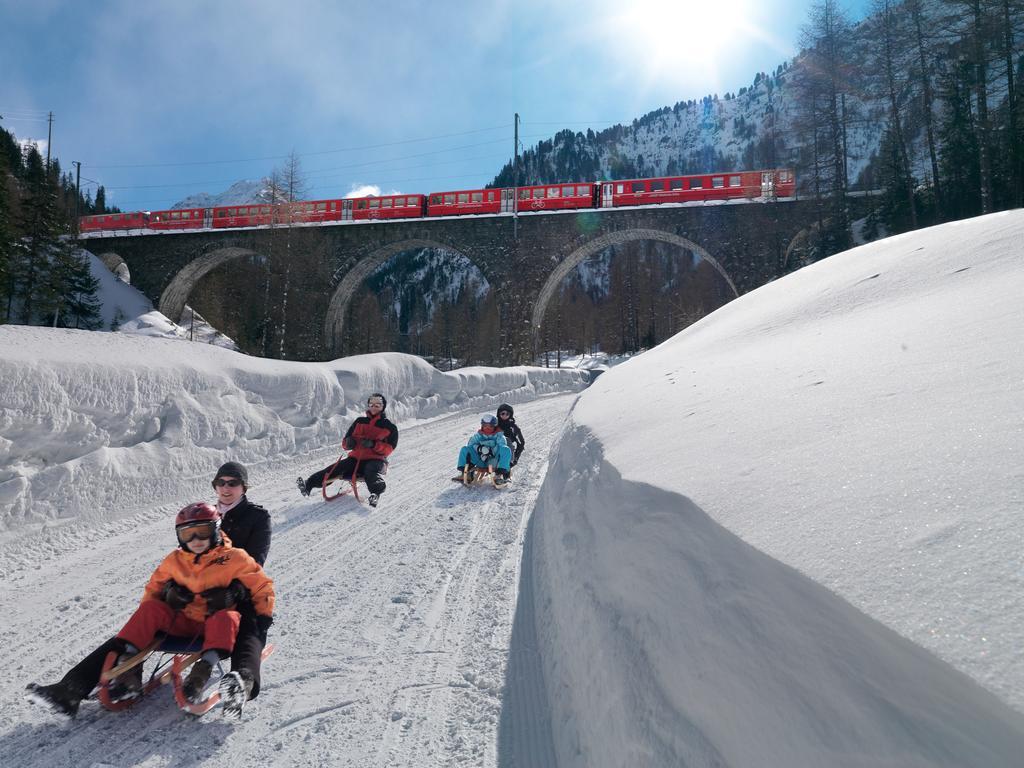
(187,596)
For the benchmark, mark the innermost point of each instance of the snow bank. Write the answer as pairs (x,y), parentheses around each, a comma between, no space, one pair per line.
(859,421)
(667,640)
(91,420)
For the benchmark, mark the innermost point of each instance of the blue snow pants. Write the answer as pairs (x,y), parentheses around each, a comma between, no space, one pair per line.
(502,461)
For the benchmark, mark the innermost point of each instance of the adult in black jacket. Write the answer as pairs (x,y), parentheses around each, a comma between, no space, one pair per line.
(513,434)
(248,527)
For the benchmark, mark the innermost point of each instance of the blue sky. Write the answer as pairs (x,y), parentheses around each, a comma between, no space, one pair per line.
(161,100)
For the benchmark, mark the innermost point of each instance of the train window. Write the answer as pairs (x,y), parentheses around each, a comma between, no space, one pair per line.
(718,182)
(387,203)
(463,197)
(583,190)
(696,183)
(620,188)
(321,206)
(175,215)
(675,184)
(638,186)
(524,194)
(374,203)
(449,199)
(360,205)
(538,194)
(568,191)
(490,197)
(657,186)
(554,192)
(265,209)
(478,197)
(232,211)
(734,181)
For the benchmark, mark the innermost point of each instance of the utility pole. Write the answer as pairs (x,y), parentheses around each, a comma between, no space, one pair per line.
(515,184)
(78,195)
(49,139)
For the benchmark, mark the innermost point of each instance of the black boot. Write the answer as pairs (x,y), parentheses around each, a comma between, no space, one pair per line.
(196,681)
(127,685)
(235,690)
(58,697)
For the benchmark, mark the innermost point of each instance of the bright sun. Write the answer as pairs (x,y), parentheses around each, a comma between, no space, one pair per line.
(677,39)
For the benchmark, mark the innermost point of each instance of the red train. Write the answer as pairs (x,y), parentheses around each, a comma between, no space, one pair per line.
(542,197)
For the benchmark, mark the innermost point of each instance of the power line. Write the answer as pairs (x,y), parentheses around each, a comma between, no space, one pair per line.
(322,171)
(306,154)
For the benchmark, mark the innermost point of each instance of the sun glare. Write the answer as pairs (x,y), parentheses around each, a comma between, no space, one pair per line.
(682,40)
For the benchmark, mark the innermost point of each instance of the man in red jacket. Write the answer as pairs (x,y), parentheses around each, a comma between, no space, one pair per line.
(369,442)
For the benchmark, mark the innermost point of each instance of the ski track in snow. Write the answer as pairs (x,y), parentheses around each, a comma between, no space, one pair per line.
(392,627)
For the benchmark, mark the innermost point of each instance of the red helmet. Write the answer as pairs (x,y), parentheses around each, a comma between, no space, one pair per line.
(198,512)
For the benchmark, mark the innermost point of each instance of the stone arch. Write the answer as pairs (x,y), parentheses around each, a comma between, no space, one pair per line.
(598,244)
(334,322)
(117,265)
(801,242)
(172,301)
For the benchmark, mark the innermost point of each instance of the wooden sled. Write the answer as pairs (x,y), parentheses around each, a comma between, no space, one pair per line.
(183,653)
(472,475)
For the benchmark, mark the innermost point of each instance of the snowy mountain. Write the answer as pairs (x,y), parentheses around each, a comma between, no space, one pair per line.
(239,193)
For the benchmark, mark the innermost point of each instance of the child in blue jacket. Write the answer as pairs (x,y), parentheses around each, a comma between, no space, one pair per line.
(487,448)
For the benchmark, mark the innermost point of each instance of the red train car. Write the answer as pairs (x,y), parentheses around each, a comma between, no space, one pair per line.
(699,187)
(552,197)
(469,201)
(113,221)
(309,212)
(383,207)
(181,218)
(249,215)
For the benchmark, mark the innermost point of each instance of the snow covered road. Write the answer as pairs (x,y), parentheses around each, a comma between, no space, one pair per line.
(393,625)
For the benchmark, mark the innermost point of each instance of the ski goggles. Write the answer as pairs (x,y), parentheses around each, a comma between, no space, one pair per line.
(230,483)
(196,531)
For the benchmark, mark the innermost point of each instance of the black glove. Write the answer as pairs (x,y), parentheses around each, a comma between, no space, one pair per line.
(219,598)
(514,461)
(348,443)
(176,596)
(368,443)
(262,625)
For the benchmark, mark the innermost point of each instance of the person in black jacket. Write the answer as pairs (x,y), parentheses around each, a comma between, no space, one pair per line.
(513,434)
(248,527)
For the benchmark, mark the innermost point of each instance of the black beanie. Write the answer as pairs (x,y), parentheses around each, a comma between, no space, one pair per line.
(233,469)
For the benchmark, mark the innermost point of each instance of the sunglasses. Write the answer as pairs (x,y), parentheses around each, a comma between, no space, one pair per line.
(198,531)
(232,483)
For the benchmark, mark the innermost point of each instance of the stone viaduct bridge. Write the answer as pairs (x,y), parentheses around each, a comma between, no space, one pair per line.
(523,259)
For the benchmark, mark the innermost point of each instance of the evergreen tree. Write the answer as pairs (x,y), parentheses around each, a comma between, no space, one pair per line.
(7,235)
(40,230)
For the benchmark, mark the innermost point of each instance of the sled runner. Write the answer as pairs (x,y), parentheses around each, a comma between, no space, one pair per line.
(480,476)
(352,482)
(183,653)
